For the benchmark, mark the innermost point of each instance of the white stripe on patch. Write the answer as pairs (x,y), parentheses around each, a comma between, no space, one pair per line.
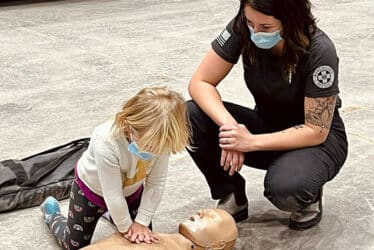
(223,37)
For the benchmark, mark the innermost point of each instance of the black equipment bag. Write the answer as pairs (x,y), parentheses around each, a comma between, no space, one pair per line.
(27,182)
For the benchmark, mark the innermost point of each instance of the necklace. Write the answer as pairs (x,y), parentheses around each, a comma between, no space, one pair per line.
(291,70)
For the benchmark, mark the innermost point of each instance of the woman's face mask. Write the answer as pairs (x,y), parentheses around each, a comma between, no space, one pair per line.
(134,149)
(265,40)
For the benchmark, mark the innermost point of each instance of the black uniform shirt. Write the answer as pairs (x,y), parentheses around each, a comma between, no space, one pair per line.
(277,100)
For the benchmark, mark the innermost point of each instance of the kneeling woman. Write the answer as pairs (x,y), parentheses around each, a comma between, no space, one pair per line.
(294,132)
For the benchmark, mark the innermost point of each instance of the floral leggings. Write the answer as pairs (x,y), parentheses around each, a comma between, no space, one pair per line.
(75,231)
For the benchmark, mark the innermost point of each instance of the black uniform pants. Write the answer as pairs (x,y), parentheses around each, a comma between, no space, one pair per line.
(293,178)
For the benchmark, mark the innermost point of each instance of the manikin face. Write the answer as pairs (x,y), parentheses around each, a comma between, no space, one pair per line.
(210,227)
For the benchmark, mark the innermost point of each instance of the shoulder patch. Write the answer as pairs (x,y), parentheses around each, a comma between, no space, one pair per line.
(223,37)
(323,76)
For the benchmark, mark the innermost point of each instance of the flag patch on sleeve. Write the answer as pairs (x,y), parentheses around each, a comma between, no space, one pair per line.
(223,37)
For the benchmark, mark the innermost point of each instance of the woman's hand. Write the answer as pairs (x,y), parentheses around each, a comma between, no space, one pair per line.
(138,233)
(237,138)
(232,160)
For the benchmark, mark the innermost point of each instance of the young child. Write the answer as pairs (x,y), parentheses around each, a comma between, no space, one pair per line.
(123,171)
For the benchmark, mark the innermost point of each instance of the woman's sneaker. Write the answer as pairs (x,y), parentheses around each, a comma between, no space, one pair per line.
(49,207)
(307,218)
(239,212)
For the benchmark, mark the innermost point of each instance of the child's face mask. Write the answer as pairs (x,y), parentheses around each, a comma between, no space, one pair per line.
(134,149)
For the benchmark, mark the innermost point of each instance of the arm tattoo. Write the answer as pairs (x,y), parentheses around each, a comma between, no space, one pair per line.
(295,127)
(298,126)
(319,111)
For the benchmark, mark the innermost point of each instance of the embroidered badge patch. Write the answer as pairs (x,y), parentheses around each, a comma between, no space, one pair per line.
(323,76)
(223,37)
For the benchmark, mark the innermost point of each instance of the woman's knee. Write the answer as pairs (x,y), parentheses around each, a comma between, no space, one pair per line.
(193,110)
(290,193)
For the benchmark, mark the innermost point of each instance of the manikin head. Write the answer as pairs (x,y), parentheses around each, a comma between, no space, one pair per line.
(210,229)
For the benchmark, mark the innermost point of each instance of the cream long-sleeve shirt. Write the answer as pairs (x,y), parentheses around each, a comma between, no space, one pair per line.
(112,172)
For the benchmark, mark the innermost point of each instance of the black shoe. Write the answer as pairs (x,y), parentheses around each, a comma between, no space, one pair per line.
(307,218)
(239,212)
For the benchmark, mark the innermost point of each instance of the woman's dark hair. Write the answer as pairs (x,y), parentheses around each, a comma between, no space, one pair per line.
(298,27)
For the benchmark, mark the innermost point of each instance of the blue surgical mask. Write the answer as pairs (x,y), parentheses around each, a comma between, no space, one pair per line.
(265,40)
(134,149)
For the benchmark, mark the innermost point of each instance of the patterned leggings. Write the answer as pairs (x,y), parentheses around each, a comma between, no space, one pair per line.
(75,231)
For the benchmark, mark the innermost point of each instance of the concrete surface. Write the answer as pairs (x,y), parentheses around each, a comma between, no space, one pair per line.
(65,66)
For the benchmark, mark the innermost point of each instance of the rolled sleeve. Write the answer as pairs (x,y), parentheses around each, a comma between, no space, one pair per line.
(228,44)
(323,68)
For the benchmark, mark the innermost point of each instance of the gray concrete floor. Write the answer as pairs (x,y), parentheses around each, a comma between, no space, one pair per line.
(65,66)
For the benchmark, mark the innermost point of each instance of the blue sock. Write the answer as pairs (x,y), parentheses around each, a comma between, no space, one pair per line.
(50,207)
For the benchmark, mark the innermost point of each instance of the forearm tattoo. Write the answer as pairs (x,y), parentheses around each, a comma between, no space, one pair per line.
(319,111)
(298,126)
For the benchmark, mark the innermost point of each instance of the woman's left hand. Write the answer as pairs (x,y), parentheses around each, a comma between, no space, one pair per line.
(236,137)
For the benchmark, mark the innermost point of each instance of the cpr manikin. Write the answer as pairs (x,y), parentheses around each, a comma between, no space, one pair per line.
(208,229)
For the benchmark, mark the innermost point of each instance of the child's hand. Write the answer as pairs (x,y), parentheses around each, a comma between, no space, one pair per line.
(138,233)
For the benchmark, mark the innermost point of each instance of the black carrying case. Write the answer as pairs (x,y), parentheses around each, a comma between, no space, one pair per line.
(27,182)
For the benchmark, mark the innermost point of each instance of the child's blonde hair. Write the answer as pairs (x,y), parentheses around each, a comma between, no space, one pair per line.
(159,116)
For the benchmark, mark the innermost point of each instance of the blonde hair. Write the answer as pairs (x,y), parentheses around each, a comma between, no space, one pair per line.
(159,116)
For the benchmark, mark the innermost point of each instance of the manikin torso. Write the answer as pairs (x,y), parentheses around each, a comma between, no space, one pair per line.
(208,229)
(167,241)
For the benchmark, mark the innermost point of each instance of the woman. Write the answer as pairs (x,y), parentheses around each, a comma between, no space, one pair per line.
(294,132)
